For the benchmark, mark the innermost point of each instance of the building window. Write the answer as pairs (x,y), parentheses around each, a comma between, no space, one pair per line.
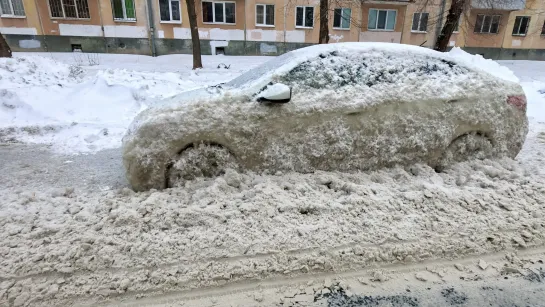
(123,10)
(304,16)
(543,29)
(264,14)
(170,10)
(487,24)
(521,25)
(420,22)
(11,8)
(69,9)
(341,18)
(218,12)
(382,19)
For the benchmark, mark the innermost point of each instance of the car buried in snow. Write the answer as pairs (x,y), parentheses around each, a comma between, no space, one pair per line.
(344,107)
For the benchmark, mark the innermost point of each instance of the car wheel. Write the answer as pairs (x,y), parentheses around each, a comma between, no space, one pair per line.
(471,146)
(200,160)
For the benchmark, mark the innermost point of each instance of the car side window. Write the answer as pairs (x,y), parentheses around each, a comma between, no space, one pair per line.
(335,70)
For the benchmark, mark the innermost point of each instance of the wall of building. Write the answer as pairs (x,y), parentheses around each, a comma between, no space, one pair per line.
(533,39)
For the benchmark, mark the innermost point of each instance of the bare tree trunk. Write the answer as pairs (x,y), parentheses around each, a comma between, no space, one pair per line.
(5,50)
(324,22)
(454,13)
(195,41)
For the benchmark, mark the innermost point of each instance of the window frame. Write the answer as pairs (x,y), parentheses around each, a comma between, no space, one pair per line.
(214,13)
(376,24)
(304,14)
(349,18)
(518,30)
(419,22)
(12,15)
(169,11)
(124,8)
(64,13)
(264,24)
(491,22)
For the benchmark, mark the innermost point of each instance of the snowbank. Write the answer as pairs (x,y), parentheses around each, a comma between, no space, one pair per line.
(45,101)
(20,72)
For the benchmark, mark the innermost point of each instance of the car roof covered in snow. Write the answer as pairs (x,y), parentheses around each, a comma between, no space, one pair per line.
(286,62)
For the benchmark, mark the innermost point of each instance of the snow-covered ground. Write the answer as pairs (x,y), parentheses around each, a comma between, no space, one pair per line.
(83,103)
(240,231)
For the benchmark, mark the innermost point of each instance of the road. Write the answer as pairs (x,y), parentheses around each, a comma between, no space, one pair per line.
(74,235)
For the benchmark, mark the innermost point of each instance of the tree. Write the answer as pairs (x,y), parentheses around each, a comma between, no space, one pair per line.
(324,22)
(5,51)
(195,41)
(454,13)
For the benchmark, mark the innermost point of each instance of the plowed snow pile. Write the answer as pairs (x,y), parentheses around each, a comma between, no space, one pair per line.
(78,109)
(67,246)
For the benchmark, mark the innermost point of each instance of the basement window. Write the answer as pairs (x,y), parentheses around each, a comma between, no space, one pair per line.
(76,48)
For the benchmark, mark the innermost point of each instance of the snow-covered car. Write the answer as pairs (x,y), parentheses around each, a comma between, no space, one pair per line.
(348,106)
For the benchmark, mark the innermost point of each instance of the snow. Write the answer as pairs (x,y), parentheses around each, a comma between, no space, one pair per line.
(85,247)
(383,53)
(80,104)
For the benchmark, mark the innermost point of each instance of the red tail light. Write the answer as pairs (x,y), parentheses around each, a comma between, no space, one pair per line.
(519,101)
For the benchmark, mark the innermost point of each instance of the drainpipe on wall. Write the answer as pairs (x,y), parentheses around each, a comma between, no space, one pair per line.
(285,11)
(245,14)
(41,24)
(151,25)
(439,21)
(102,25)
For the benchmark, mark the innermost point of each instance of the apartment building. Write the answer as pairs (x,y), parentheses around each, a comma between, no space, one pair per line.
(511,29)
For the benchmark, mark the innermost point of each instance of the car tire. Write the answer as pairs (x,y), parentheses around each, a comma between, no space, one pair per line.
(470,146)
(200,160)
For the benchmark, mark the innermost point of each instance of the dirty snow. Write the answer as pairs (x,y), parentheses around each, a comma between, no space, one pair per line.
(68,246)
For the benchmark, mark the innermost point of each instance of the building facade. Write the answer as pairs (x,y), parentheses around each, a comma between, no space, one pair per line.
(512,29)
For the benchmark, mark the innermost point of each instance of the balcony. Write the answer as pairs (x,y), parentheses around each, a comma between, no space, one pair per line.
(499,5)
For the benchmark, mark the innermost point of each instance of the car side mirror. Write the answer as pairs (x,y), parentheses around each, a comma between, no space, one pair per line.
(276,93)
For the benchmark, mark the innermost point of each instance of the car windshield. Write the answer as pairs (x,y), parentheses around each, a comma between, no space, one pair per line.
(257,72)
